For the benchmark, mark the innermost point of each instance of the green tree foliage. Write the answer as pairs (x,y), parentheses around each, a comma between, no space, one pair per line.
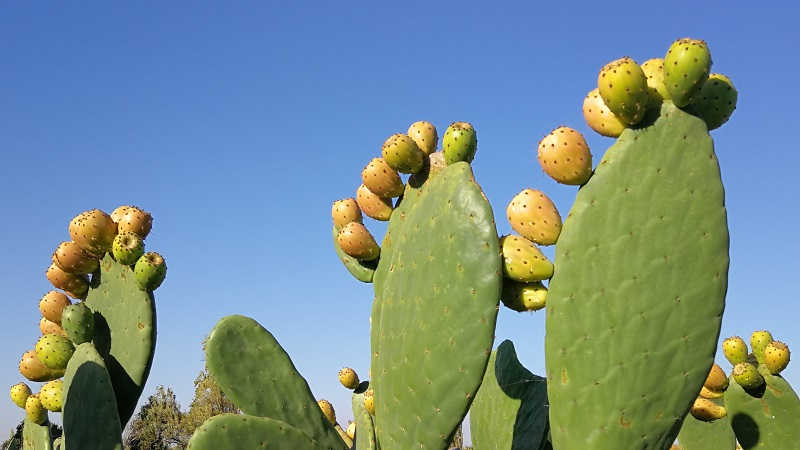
(14,441)
(209,401)
(157,426)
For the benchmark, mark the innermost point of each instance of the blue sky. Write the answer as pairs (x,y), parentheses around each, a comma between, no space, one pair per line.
(237,124)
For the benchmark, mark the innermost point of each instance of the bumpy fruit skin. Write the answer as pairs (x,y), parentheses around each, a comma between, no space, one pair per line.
(424,135)
(654,71)
(747,376)
(127,248)
(349,378)
(686,67)
(78,323)
(776,357)
(36,413)
(34,370)
(523,261)
(599,117)
(77,286)
(355,240)
(48,327)
(369,401)
(51,395)
(623,86)
(52,304)
(716,381)
(534,216)
(150,271)
(19,394)
(381,179)
(735,350)
(345,211)
(373,205)
(71,258)
(93,231)
(54,351)
(132,219)
(521,297)
(351,430)
(758,343)
(402,154)
(705,409)
(327,410)
(715,102)
(564,155)
(460,142)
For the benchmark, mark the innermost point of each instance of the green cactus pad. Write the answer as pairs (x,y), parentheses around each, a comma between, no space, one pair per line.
(361,270)
(35,436)
(258,376)
(635,306)
(365,428)
(768,420)
(234,431)
(436,295)
(125,331)
(510,410)
(696,434)
(91,421)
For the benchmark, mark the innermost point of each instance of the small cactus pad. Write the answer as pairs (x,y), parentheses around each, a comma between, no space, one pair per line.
(19,394)
(402,154)
(623,87)
(436,294)
(355,240)
(599,117)
(735,350)
(534,216)
(131,219)
(75,285)
(381,179)
(52,305)
(645,246)
(373,205)
(686,67)
(654,71)
(345,211)
(349,378)
(698,434)
(715,102)
(71,258)
(90,414)
(424,135)
(78,323)
(34,370)
(776,357)
(460,142)
(362,271)
(54,351)
(351,430)
(510,409)
(127,248)
(523,296)
(236,431)
(258,376)
(36,436)
(523,261)
(365,427)
(758,343)
(564,155)
(150,271)
(93,231)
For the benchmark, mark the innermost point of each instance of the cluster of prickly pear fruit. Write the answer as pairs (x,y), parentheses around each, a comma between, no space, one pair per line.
(773,355)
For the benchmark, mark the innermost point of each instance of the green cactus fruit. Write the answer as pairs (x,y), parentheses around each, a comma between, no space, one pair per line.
(373,205)
(345,211)
(71,258)
(19,394)
(34,410)
(424,135)
(686,67)
(402,154)
(327,410)
(241,431)
(356,241)
(534,216)
(51,395)
(715,102)
(460,142)
(361,270)
(776,357)
(75,285)
(127,248)
(623,87)
(523,261)
(747,376)
(93,231)
(351,430)
(78,323)
(599,117)
(735,350)
(150,271)
(699,434)
(369,401)
(758,342)
(131,219)
(48,327)
(715,384)
(34,370)
(54,351)
(349,378)
(654,71)
(707,410)
(381,179)
(523,296)
(564,155)
(52,304)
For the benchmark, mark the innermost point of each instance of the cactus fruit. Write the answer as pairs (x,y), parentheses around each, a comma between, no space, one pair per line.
(127,248)
(716,380)
(707,410)
(654,71)
(54,351)
(34,370)
(424,135)
(523,261)
(133,220)
(93,231)
(327,410)
(71,258)
(361,270)
(373,205)
(381,179)
(348,378)
(599,117)
(369,401)
(52,304)
(534,216)
(776,357)
(402,154)
(48,327)
(355,240)
(747,376)
(460,142)
(735,350)
(51,395)
(345,211)
(686,67)
(715,102)
(78,323)
(351,430)
(564,155)
(523,296)
(75,285)
(758,343)
(34,410)
(150,271)
(437,162)
(19,394)
(623,87)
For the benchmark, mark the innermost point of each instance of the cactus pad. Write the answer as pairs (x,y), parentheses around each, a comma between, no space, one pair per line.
(697,434)
(234,431)
(35,436)
(365,427)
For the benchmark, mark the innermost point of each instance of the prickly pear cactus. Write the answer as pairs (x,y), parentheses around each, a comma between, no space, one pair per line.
(365,427)
(361,270)
(697,434)
(236,431)
(35,436)
(635,305)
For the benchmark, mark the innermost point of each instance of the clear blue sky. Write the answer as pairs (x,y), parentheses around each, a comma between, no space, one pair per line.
(238,123)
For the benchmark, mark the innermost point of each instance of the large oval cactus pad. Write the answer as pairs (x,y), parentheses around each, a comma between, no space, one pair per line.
(437,288)
(361,271)
(35,436)
(125,331)
(696,434)
(239,432)
(635,306)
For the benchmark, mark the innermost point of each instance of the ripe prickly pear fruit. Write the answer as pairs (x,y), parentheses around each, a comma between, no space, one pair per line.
(758,342)
(35,411)
(345,211)
(402,154)
(54,351)
(747,376)
(623,87)
(716,383)
(654,71)
(776,357)
(523,261)
(71,258)
(460,142)
(31,368)
(150,271)
(564,155)
(77,286)
(735,350)
(93,231)
(355,240)
(351,430)
(599,117)
(78,323)
(51,395)
(706,410)
(127,248)
(715,102)
(373,205)
(369,401)
(52,305)
(534,216)
(48,327)
(523,296)
(686,67)
(132,219)
(327,410)
(381,179)
(424,135)
(348,378)
(20,393)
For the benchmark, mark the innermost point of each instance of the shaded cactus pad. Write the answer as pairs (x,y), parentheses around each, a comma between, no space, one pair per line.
(233,432)
(697,434)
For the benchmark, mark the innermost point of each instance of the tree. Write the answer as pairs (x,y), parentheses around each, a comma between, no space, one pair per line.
(157,426)
(209,401)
